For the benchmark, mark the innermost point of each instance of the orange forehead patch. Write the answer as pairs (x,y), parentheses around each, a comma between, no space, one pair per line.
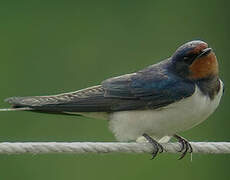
(199,48)
(204,67)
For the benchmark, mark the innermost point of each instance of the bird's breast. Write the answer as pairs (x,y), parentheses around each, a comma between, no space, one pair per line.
(168,120)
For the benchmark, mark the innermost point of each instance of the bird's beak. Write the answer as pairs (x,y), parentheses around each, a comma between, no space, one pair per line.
(204,52)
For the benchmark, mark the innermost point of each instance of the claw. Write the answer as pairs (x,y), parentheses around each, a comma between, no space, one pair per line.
(185,146)
(158,148)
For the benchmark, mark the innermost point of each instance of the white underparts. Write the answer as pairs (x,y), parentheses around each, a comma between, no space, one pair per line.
(166,121)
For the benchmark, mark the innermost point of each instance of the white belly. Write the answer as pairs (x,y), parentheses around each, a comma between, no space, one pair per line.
(176,117)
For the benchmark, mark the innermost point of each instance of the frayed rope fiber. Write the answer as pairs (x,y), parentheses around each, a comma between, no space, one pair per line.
(106,147)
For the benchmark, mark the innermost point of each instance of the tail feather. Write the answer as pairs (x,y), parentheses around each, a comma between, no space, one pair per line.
(17,109)
(31,101)
(89,99)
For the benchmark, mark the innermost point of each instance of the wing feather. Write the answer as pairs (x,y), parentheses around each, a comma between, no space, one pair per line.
(152,87)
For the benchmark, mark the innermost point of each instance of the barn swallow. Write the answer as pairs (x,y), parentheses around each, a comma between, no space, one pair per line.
(155,103)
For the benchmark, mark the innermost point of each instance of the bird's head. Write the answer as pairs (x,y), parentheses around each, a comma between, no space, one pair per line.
(195,60)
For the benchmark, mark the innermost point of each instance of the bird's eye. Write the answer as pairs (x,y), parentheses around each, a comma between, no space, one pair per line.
(188,59)
(185,58)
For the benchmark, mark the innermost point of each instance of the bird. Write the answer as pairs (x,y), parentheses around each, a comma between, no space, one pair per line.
(153,104)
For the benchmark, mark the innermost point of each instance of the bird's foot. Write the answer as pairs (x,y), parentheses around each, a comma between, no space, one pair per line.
(185,146)
(158,148)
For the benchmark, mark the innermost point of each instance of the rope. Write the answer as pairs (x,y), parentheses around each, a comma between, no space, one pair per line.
(106,147)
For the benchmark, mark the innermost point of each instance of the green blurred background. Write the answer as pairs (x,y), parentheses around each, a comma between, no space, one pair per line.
(50,47)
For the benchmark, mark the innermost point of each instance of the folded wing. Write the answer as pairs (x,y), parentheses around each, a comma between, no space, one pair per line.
(152,87)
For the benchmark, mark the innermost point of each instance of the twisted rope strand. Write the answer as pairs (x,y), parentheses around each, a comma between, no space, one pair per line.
(106,147)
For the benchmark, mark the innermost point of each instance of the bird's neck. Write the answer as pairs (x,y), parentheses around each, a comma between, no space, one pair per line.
(209,86)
